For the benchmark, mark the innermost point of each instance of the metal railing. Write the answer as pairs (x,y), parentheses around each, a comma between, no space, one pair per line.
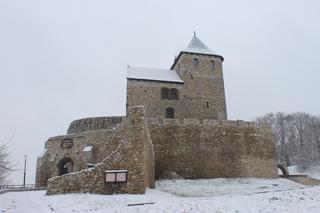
(19,188)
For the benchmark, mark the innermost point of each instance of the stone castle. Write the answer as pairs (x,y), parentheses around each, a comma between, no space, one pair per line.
(176,123)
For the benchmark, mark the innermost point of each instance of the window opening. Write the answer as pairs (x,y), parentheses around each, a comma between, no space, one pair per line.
(170,113)
(164,93)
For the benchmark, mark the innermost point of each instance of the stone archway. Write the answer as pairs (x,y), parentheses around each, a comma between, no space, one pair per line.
(65,166)
(284,169)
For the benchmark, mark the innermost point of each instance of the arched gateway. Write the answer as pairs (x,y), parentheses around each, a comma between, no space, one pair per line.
(65,166)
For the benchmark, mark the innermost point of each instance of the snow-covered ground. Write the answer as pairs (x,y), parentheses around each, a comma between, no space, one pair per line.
(223,186)
(215,195)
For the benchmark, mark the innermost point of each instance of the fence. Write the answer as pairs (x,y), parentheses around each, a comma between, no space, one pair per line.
(19,188)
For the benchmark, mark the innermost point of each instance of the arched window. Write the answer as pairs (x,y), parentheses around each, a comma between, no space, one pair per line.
(195,62)
(173,94)
(169,112)
(164,93)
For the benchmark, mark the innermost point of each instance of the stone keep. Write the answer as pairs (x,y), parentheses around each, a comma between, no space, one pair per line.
(197,76)
(176,123)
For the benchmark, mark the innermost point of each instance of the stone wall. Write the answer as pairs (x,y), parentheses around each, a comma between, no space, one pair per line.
(147,93)
(212,148)
(132,151)
(92,124)
(102,142)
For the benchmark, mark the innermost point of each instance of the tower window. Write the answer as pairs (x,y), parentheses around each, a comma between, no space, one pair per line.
(207,104)
(213,65)
(164,93)
(173,94)
(170,112)
(195,62)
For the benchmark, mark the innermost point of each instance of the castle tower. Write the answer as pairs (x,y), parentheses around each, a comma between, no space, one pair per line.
(203,91)
(193,87)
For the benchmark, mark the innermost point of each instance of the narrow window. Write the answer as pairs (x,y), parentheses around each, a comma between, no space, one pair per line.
(213,65)
(195,62)
(169,112)
(173,94)
(164,93)
(207,104)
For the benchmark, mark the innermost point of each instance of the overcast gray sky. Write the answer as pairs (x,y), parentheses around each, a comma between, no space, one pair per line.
(63,60)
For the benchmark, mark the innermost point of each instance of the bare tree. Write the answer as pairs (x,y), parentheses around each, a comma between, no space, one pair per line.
(279,126)
(297,137)
(6,164)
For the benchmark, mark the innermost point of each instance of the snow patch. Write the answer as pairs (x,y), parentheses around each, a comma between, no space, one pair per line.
(87,148)
(141,73)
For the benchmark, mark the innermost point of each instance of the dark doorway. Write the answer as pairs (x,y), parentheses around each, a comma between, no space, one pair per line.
(65,166)
(283,169)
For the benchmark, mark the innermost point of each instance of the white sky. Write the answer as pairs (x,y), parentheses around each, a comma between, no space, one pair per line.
(63,60)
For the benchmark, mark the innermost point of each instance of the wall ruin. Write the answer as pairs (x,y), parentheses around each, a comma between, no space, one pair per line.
(127,147)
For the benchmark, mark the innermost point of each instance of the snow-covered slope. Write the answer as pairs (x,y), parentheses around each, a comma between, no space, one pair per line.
(311,171)
(290,197)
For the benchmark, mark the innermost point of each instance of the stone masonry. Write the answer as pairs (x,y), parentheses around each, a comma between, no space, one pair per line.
(213,148)
(132,150)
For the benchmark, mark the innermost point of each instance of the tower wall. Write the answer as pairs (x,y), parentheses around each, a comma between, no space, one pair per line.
(203,91)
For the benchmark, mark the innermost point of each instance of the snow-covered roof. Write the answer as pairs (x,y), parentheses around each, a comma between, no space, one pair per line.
(151,74)
(197,46)
(119,170)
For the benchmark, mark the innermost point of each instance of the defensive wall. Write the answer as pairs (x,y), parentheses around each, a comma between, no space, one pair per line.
(213,148)
(147,148)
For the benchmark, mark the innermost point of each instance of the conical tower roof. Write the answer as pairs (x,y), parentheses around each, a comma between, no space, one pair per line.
(197,46)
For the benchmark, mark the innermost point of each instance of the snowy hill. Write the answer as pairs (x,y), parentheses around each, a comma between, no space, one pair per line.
(212,195)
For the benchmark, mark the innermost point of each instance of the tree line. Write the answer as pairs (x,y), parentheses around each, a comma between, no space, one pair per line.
(297,137)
